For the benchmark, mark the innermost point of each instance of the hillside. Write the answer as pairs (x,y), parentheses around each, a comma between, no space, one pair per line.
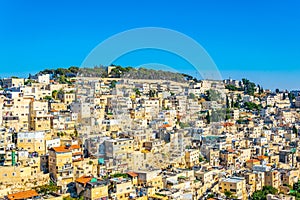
(118,72)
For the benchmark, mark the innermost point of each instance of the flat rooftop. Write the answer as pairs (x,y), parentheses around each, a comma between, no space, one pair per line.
(234,179)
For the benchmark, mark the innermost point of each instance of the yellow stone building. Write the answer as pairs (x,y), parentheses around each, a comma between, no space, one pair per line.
(13,82)
(60,165)
(150,178)
(235,185)
(58,106)
(40,120)
(96,190)
(272,178)
(91,188)
(192,157)
(32,141)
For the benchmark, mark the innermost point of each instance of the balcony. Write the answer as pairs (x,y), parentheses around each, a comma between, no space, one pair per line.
(8,103)
(64,176)
(67,176)
(10,118)
(66,168)
(77,159)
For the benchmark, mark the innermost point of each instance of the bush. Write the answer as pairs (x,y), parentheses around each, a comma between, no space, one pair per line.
(262,194)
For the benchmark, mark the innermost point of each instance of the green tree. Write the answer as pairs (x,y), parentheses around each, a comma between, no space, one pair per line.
(259,195)
(29,82)
(191,96)
(252,106)
(152,93)
(201,159)
(228,114)
(73,69)
(113,84)
(47,71)
(249,87)
(187,77)
(218,115)
(228,194)
(213,95)
(63,80)
(137,91)
(61,71)
(183,125)
(262,194)
(117,175)
(47,189)
(284,96)
(76,132)
(116,72)
(47,98)
(227,102)
(231,87)
(291,96)
(207,117)
(261,90)
(295,130)
(232,103)
(54,94)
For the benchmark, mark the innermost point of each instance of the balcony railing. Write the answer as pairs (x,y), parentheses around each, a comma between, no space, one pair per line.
(65,169)
(10,118)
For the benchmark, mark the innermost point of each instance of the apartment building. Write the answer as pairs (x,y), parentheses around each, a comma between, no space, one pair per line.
(272,178)
(40,120)
(192,157)
(32,141)
(120,150)
(43,78)
(12,82)
(151,178)
(235,185)
(61,165)
(96,190)
(82,109)
(121,188)
(290,177)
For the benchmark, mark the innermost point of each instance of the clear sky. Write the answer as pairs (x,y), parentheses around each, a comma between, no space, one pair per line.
(259,40)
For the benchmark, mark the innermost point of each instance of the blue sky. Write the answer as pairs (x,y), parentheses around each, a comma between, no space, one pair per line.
(254,39)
